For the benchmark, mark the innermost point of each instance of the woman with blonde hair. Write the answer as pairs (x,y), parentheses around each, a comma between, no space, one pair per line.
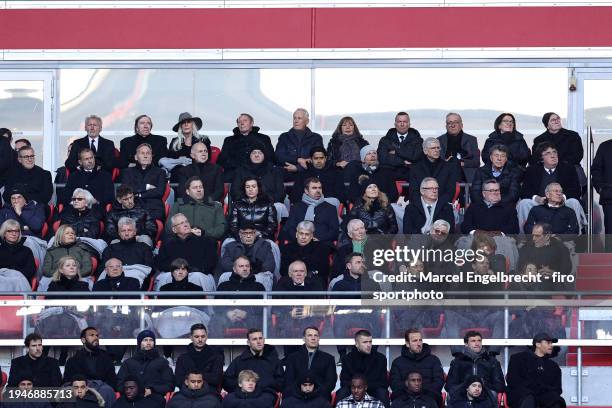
(66,278)
(66,243)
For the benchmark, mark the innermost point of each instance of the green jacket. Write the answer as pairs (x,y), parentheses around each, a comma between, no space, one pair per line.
(54,254)
(207,215)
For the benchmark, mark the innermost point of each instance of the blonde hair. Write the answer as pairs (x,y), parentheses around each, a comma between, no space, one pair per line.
(382,199)
(247,375)
(57,274)
(59,234)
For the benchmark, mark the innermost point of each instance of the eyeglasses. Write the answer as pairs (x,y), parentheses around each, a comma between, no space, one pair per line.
(493,190)
(29,157)
(13,231)
(78,199)
(453,123)
(180,223)
(431,188)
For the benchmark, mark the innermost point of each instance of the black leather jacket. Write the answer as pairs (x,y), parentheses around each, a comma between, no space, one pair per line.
(85,223)
(261,213)
(145,225)
(377,220)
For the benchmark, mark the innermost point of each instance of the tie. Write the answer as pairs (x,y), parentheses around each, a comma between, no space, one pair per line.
(93,146)
(429,209)
(550,171)
(401,138)
(310,357)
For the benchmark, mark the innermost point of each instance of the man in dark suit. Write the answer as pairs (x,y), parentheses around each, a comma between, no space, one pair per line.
(103,149)
(32,180)
(142,134)
(455,143)
(421,213)
(490,214)
(88,176)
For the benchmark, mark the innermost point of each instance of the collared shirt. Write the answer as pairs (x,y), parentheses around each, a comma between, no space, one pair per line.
(366,402)
(401,137)
(550,171)
(432,206)
(496,173)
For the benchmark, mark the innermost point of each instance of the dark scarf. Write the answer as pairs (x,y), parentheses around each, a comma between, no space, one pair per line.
(258,170)
(506,137)
(349,148)
(454,145)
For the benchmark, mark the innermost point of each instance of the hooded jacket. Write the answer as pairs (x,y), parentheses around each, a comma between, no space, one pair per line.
(468,363)
(208,361)
(409,399)
(519,151)
(424,362)
(261,213)
(459,398)
(18,257)
(92,399)
(145,225)
(236,149)
(151,369)
(206,397)
(291,146)
(93,364)
(267,366)
(206,215)
(295,398)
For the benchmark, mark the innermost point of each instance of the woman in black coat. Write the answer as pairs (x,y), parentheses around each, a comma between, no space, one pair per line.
(374,210)
(505,133)
(262,169)
(82,216)
(253,207)
(13,254)
(345,143)
(67,277)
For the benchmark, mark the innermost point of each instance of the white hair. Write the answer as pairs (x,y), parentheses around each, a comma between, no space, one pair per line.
(304,111)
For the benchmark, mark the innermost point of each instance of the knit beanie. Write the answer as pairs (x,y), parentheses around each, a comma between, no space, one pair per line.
(144,334)
(472,379)
(365,150)
(364,182)
(546,118)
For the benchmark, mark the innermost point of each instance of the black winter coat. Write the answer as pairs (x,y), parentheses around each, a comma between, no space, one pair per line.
(291,147)
(427,364)
(567,142)
(411,149)
(373,366)
(145,224)
(483,365)
(519,151)
(45,371)
(255,399)
(121,283)
(601,172)
(35,183)
(564,174)
(236,149)
(334,145)
(315,255)
(261,213)
(94,365)
(332,181)
(498,217)
(414,216)
(253,313)
(528,375)
(18,257)
(267,366)
(211,176)
(460,400)
(6,159)
(377,220)
(200,252)
(323,368)
(509,182)
(138,178)
(562,219)
(129,252)
(408,399)
(446,173)
(271,180)
(383,177)
(68,285)
(297,399)
(98,182)
(206,397)
(469,153)
(85,223)
(151,369)
(105,153)
(325,221)
(209,361)
(129,144)
(152,401)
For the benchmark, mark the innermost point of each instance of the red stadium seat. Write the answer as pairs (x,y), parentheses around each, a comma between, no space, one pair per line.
(235,332)
(160,229)
(56,225)
(166,193)
(45,230)
(214,154)
(94,265)
(115,174)
(485,331)
(399,185)
(11,325)
(434,331)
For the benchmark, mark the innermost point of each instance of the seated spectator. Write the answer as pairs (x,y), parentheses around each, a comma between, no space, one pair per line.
(44,371)
(254,207)
(151,369)
(553,211)
(413,394)
(29,178)
(243,317)
(132,395)
(294,146)
(331,177)
(356,232)
(459,145)
(358,395)
(203,214)
(486,244)
(29,213)
(115,280)
(401,147)
(142,135)
(567,142)
(420,214)
(66,277)
(313,253)
(534,378)
(81,215)
(370,166)
(85,396)
(540,175)
(447,173)
(195,393)
(201,357)
(310,361)
(147,181)
(93,363)
(506,173)
(374,209)
(249,244)
(258,167)
(7,154)
(25,384)
(472,393)
(187,243)
(237,148)
(475,360)
(313,207)
(262,359)
(362,360)
(417,356)
(505,133)
(490,213)
(13,253)
(103,149)
(88,177)
(128,206)
(345,143)
(201,167)
(128,249)
(249,395)
(179,269)
(306,393)
(65,242)
(179,149)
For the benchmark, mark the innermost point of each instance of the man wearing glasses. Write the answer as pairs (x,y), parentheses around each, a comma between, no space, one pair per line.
(251,245)
(421,213)
(457,144)
(30,178)
(490,214)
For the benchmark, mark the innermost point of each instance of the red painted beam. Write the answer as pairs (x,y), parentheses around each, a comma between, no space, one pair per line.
(307,28)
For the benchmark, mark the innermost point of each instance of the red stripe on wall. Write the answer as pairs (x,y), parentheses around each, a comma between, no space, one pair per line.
(307,28)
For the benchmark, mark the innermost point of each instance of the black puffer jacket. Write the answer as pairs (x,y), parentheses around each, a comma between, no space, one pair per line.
(514,141)
(377,220)
(261,213)
(299,399)
(409,399)
(151,369)
(424,362)
(255,399)
(459,399)
(85,223)
(271,180)
(145,225)
(206,397)
(483,365)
